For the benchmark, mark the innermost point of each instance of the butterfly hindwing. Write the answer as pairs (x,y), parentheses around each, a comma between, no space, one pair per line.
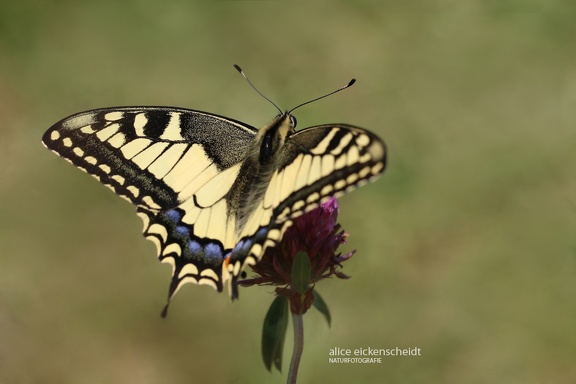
(194,259)
(195,236)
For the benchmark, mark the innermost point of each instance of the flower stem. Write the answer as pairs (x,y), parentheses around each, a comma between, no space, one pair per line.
(298,324)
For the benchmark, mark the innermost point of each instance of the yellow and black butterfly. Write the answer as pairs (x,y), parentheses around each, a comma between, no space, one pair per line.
(213,192)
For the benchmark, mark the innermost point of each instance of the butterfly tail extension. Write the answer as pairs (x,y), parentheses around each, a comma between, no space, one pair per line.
(193,260)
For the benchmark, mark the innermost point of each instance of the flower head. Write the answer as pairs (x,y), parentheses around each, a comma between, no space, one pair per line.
(316,233)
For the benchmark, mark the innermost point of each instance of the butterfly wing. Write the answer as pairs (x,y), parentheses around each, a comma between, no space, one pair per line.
(316,163)
(325,161)
(176,165)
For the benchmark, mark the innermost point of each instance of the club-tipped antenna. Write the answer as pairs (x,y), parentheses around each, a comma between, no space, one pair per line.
(326,95)
(350,83)
(256,89)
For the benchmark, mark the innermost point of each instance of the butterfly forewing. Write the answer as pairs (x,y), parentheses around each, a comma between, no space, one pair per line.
(326,161)
(149,155)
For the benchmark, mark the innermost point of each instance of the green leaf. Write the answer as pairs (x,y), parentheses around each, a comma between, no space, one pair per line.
(301,272)
(320,305)
(274,333)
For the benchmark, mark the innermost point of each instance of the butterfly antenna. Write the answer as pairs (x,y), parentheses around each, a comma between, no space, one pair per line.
(256,89)
(326,95)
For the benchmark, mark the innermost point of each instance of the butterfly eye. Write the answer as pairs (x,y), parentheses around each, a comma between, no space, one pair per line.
(293,121)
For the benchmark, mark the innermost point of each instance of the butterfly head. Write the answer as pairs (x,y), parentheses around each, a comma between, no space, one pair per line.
(272,137)
(288,119)
(284,125)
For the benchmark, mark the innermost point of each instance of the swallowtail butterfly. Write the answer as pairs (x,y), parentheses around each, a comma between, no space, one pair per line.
(213,192)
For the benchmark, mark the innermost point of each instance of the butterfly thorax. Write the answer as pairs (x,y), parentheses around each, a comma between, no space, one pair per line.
(258,167)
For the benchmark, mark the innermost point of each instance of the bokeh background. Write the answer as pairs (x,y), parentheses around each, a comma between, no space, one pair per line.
(466,246)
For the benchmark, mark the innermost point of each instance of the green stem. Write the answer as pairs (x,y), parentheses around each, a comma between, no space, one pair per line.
(298,324)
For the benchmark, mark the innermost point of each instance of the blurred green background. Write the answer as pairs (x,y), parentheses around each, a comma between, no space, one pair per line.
(466,246)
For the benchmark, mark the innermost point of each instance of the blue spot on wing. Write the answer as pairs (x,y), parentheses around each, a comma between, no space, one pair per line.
(261,234)
(195,247)
(242,247)
(238,246)
(174,215)
(182,230)
(213,252)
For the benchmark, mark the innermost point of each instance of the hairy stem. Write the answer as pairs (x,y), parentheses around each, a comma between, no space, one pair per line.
(298,324)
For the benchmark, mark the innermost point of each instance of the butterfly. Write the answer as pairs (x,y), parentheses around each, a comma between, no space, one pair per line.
(214,192)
